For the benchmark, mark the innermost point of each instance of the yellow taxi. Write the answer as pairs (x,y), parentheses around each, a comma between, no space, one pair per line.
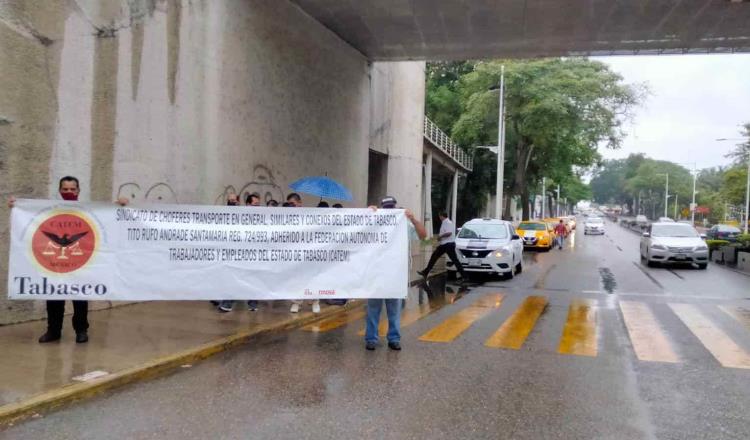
(536,234)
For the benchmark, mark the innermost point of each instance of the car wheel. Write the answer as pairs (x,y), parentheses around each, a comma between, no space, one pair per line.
(509,275)
(649,262)
(702,266)
(519,267)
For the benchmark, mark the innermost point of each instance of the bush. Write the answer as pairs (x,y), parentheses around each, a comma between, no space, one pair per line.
(744,240)
(716,244)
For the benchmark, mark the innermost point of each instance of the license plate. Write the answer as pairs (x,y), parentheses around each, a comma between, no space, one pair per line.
(680,257)
(475,261)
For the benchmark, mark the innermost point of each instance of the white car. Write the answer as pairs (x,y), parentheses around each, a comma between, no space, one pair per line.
(593,225)
(670,242)
(489,246)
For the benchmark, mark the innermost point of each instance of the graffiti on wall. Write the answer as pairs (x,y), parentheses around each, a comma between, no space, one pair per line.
(262,183)
(159,192)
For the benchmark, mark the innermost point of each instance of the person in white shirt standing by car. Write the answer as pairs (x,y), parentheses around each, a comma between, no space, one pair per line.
(446,245)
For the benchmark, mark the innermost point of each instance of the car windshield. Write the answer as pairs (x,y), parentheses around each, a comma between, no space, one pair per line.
(532,227)
(673,230)
(594,220)
(483,231)
(725,228)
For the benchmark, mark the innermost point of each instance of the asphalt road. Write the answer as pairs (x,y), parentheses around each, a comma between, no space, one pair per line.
(587,343)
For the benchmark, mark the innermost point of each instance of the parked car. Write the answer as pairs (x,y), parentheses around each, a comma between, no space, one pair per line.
(723,232)
(670,242)
(571,220)
(536,234)
(665,220)
(489,246)
(593,225)
(641,221)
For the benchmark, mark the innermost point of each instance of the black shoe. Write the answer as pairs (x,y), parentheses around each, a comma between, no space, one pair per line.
(82,338)
(370,346)
(49,337)
(423,273)
(394,346)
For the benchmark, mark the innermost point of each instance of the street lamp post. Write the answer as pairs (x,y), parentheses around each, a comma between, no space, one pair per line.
(500,146)
(666,193)
(544,194)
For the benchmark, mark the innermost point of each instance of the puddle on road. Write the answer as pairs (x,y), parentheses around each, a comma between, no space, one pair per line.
(609,284)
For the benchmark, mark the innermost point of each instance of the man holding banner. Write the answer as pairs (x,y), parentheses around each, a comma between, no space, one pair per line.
(69,189)
(392,305)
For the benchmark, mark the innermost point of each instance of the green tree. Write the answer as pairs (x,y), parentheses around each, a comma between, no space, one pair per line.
(558,112)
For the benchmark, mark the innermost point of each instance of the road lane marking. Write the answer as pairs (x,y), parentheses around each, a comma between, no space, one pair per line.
(648,338)
(452,327)
(579,334)
(740,314)
(335,322)
(721,346)
(514,331)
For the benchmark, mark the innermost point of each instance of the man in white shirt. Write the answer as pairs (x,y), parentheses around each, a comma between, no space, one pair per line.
(446,245)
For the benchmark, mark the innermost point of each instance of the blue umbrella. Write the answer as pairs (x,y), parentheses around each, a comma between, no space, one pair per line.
(322,186)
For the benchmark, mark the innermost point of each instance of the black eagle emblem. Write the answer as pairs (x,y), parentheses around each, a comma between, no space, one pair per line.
(65,240)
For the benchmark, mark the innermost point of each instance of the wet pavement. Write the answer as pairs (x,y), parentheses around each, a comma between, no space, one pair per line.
(587,343)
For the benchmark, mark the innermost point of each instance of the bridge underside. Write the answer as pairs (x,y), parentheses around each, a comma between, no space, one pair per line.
(471,29)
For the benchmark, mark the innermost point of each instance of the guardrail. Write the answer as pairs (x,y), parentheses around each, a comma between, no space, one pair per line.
(443,142)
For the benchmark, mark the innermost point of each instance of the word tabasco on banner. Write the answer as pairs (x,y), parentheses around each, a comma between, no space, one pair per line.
(95,251)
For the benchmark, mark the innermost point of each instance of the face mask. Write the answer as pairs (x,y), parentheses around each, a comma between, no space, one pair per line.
(69,196)
(232,203)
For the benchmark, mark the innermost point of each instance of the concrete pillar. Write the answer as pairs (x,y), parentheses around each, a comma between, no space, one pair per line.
(454,197)
(428,194)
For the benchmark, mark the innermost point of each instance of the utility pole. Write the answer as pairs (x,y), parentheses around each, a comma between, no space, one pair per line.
(557,201)
(500,148)
(747,196)
(676,196)
(666,195)
(544,194)
(693,205)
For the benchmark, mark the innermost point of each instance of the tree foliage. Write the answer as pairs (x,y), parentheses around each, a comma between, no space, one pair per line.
(558,113)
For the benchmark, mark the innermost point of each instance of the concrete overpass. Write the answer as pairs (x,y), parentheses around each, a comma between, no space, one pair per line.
(471,29)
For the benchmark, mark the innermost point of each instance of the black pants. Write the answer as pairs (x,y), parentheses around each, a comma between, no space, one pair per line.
(56,312)
(448,248)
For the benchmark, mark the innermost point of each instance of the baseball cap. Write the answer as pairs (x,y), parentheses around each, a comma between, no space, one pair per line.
(388,202)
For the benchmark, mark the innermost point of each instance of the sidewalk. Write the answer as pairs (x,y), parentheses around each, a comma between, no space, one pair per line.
(135,342)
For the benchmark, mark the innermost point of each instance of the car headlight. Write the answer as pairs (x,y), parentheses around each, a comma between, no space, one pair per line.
(498,254)
(659,247)
(701,248)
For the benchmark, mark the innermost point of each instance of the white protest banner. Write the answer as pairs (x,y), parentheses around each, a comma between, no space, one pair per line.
(96,251)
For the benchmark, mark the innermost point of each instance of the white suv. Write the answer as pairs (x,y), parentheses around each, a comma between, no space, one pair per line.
(490,246)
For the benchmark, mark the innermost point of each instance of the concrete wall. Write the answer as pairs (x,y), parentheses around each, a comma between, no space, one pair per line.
(182,101)
(398,90)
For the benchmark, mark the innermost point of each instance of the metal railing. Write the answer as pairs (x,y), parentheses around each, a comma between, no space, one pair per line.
(438,138)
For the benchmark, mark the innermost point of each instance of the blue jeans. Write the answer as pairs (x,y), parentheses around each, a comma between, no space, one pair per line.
(560,240)
(393,309)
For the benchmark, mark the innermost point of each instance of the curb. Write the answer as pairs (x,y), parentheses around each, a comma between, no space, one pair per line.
(14,412)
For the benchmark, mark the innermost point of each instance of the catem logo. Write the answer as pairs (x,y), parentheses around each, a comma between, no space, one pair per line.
(64,242)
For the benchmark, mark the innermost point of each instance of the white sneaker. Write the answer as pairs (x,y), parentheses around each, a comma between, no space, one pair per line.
(316,306)
(295,308)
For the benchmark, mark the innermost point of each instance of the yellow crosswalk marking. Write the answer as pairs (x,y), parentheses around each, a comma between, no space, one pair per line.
(452,327)
(648,338)
(515,329)
(721,346)
(740,314)
(579,334)
(335,321)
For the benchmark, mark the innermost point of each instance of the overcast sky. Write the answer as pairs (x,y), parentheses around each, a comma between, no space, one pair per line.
(694,100)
